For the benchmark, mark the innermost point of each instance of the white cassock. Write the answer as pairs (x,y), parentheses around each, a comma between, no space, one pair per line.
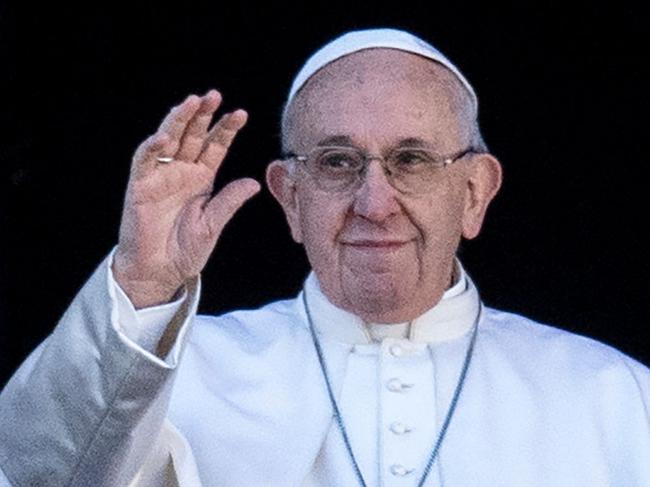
(240,400)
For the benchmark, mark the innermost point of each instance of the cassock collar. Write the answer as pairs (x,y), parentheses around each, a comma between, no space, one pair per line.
(451,318)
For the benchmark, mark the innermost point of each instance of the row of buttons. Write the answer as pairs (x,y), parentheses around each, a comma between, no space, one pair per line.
(395,384)
(397,469)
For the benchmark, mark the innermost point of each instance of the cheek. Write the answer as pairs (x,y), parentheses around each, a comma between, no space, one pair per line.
(441,223)
(321,219)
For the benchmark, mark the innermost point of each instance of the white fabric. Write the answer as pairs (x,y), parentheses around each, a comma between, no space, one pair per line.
(379,331)
(4,481)
(88,404)
(373,38)
(145,327)
(397,428)
(243,403)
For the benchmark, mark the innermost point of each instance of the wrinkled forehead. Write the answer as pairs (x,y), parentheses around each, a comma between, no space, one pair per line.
(381,91)
(357,41)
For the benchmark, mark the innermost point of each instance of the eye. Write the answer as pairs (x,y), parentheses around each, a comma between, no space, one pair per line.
(410,159)
(341,160)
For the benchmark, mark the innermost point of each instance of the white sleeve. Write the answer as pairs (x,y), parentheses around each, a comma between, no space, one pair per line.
(145,327)
(4,481)
(87,405)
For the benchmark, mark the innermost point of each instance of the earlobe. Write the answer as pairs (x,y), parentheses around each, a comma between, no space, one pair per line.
(483,184)
(283,188)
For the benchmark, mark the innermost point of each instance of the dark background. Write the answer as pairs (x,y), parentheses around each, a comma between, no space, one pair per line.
(563,105)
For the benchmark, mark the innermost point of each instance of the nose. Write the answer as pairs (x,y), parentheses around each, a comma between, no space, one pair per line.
(375,199)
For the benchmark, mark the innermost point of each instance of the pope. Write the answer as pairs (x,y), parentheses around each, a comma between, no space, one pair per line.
(386,369)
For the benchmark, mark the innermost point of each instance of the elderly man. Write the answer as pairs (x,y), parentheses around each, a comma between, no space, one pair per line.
(385,370)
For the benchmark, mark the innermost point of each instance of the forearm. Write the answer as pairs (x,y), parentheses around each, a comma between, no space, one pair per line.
(85,407)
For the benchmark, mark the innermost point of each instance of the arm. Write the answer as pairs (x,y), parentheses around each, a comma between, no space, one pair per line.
(87,404)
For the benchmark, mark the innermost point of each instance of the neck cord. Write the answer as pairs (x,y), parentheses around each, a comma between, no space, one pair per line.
(339,418)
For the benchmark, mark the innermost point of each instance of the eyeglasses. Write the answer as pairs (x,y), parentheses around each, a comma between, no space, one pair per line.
(409,169)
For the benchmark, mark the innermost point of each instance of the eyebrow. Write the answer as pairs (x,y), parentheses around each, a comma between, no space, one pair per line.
(413,142)
(336,140)
(346,140)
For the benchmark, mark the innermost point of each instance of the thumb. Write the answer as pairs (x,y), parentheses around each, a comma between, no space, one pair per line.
(221,208)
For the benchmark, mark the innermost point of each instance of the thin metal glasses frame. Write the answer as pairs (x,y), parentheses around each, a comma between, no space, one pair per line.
(435,162)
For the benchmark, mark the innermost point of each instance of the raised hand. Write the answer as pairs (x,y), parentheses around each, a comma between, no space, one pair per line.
(170,222)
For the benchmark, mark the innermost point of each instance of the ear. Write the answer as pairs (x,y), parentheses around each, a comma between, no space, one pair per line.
(483,183)
(282,185)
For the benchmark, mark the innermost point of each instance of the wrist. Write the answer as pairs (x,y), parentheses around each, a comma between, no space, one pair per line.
(144,289)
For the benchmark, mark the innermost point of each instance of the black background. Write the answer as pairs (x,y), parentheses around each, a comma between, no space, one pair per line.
(563,105)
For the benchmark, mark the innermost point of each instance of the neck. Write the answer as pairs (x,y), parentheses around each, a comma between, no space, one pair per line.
(403,314)
(450,318)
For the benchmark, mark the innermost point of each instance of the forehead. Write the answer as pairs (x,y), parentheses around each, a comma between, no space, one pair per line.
(385,93)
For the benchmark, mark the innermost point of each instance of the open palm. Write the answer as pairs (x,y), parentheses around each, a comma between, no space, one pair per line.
(170,222)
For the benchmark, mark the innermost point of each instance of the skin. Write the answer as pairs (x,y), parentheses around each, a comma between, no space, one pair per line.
(380,254)
(170,223)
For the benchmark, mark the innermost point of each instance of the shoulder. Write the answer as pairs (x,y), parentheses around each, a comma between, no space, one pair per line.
(250,330)
(545,348)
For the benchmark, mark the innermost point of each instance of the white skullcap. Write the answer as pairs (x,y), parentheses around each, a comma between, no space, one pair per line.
(373,38)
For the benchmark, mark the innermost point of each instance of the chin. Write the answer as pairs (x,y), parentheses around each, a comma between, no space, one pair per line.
(376,297)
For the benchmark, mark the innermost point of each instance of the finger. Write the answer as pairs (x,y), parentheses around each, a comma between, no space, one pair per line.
(220,138)
(144,159)
(221,208)
(176,121)
(194,136)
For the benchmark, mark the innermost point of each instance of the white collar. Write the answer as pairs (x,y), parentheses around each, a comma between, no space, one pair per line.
(451,318)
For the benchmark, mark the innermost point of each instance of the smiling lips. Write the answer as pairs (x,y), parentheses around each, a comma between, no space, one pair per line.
(379,245)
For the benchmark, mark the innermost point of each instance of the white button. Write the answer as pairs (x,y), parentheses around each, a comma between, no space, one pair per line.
(400,470)
(399,428)
(396,385)
(396,350)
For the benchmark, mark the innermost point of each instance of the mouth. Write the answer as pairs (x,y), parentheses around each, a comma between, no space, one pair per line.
(376,245)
